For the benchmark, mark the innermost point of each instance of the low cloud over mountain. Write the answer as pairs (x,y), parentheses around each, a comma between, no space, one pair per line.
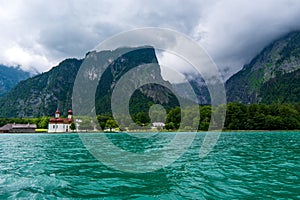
(35,34)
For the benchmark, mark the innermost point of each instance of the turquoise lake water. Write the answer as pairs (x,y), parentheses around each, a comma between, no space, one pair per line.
(243,165)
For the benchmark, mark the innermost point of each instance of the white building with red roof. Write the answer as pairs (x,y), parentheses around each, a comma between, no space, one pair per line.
(60,125)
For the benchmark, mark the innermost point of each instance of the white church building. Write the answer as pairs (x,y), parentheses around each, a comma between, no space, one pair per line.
(60,125)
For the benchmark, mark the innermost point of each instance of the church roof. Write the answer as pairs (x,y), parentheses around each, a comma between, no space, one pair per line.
(60,121)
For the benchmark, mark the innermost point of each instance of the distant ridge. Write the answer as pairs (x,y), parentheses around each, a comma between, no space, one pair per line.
(42,94)
(272,76)
(10,77)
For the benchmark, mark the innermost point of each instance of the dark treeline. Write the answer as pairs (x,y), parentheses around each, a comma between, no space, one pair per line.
(262,117)
(41,122)
(242,117)
(238,117)
(247,117)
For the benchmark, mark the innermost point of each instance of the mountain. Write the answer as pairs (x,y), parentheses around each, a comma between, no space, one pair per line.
(106,69)
(199,89)
(272,76)
(43,94)
(10,77)
(282,88)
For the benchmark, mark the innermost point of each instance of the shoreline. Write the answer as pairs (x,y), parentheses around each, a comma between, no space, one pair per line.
(136,131)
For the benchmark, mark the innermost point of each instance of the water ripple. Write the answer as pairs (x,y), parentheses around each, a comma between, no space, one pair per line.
(242,166)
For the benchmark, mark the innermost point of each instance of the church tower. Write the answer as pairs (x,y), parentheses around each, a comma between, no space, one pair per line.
(57,114)
(70,114)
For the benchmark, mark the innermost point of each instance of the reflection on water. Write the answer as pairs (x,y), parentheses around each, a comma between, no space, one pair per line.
(242,165)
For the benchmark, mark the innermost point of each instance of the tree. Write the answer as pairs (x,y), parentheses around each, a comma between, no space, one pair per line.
(102,119)
(236,116)
(205,113)
(43,122)
(142,118)
(170,126)
(174,116)
(273,122)
(204,126)
(73,126)
(111,124)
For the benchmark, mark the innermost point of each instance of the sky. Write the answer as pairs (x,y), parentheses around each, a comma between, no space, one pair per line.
(37,35)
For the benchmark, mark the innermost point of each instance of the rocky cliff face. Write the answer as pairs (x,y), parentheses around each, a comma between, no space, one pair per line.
(129,62)
(43,94)
(278,60)
(200,89)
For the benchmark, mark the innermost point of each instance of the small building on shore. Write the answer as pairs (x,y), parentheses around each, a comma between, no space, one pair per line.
(60,125)
(18,128)
(158,124)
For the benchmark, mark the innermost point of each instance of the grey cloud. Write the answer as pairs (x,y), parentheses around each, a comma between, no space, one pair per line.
(232,31)
(68,40)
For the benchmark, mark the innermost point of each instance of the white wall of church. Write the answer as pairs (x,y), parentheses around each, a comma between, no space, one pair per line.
(58,128)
